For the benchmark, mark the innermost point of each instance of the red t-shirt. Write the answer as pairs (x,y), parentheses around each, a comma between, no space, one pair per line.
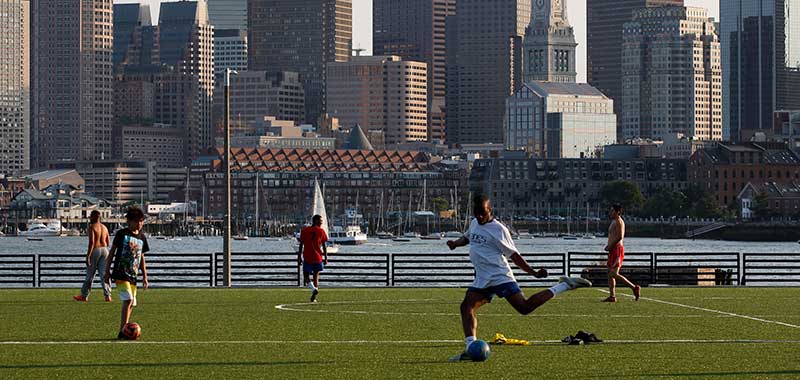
(313,238)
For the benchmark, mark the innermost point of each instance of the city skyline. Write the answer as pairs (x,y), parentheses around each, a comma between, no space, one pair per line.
(362,23)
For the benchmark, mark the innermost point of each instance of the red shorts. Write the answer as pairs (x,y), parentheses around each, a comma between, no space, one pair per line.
(616,256)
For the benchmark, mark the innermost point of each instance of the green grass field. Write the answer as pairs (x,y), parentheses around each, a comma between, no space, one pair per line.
(675,333)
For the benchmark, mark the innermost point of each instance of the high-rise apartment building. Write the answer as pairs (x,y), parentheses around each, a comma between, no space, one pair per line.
(383,93)
(604,22)
(301,36)
(671,75)
(230,51)
(760,63)
(228,14)
(186,43)
(484,67)
(72,95)
(415,30)
(549,44)
(14,86)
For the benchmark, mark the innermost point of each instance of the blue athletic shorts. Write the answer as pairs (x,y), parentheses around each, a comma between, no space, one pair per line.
(503,290)
(311,268)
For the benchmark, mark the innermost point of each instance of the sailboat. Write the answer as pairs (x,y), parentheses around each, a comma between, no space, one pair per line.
(318,208)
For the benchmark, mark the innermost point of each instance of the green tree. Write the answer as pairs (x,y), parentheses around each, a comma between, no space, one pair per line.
(440,204)
(625,193)
(760,206)
(666,203)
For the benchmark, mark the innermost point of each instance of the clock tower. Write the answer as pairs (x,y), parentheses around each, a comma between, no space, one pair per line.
(549,44)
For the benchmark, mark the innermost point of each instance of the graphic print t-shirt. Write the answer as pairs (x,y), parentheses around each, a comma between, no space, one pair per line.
(130,248)
(490,246)
(313,238)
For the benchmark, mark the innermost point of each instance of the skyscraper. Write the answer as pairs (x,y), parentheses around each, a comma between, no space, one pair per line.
(604,21)
(671,75)
(301,36)
(14,86)
(230,51)
(72,95)
(186,43)
(549,45)
(128,22)
(415,30)
(760,63)
(383,93)
(228,14)
(484,67)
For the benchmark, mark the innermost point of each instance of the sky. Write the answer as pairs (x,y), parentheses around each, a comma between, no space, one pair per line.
(362,23)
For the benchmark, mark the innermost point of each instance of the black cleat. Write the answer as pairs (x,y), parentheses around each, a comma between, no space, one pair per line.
(314,295)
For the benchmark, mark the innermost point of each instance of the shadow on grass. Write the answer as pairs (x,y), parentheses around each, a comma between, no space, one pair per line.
(148,365)
(705,374)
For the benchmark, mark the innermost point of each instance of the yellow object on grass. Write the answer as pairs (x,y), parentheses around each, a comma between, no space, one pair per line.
(501,339)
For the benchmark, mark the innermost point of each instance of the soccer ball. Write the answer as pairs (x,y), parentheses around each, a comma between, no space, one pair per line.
(478,351)
(132,331)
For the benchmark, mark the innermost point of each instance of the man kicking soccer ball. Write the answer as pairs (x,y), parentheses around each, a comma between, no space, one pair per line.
(490,247)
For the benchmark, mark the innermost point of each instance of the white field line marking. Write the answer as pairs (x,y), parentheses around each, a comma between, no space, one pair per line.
(381,342)
(296,307)
(711,310)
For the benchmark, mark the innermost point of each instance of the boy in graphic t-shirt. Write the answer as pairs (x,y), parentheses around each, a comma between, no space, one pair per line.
(490,248)
(310,254)
(127,254)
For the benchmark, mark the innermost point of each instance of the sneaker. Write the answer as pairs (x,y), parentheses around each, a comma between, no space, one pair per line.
(575,282)
(610,299)
(462,357)
(108,299)
(637,292)
(80,298)
(314,295)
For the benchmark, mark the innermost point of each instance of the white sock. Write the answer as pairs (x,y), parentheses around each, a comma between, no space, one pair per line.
(311,286)
(470,339)
(559,288)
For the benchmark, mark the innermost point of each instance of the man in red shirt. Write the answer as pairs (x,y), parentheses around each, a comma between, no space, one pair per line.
(312,247)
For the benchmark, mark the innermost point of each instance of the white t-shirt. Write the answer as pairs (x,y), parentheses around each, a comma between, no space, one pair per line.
(490,246)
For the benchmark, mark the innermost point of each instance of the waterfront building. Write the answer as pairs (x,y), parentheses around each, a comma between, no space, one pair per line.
(604,22)
(14,87)
(671,75)
(71,73)
(781,199)
(725,169)
(761,63)
(58,201)
(559,120)
(124,181)
(484,67)
(415,31)
(46,178)
(382,93)
(549,44)
(374,182)
(302,36)
(540,187)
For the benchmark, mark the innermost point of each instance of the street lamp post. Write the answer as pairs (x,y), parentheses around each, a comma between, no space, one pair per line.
(226,240)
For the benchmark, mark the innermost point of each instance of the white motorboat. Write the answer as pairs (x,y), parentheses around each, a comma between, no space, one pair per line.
(453,234)
(37,228)
(240,237)
(385,235)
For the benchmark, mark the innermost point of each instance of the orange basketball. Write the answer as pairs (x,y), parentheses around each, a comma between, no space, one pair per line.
(132,331)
